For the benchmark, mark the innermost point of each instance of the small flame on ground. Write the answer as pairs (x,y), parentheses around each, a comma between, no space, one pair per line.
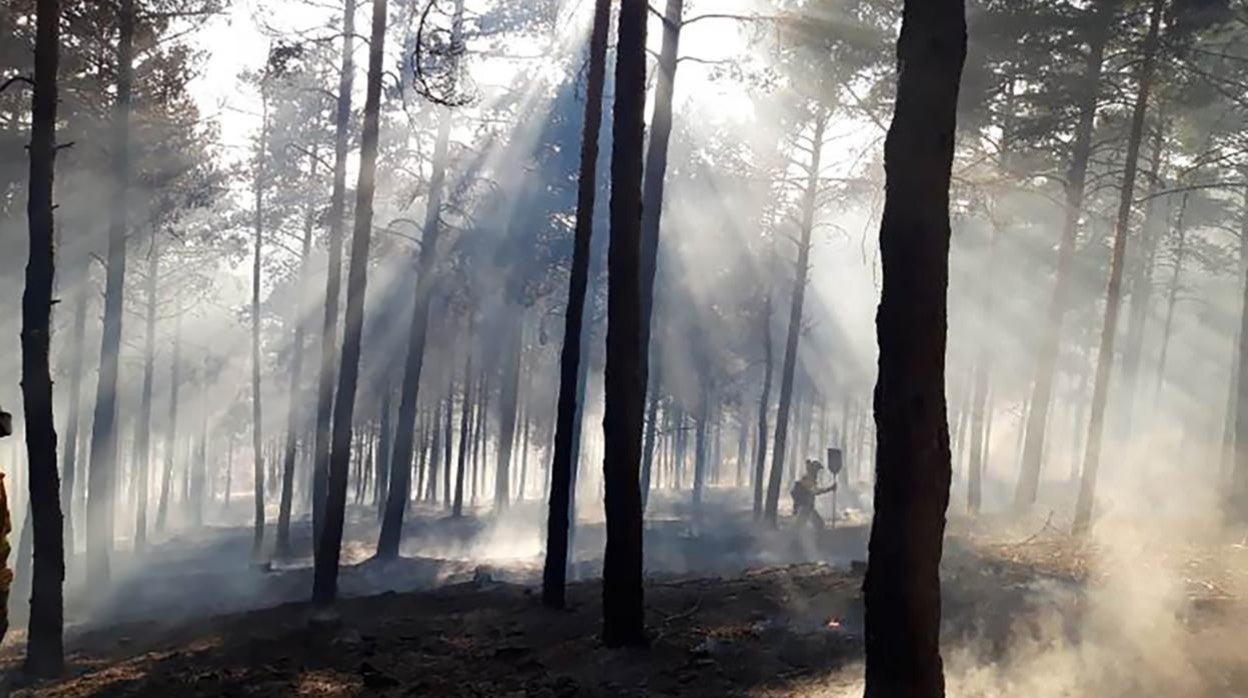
(833,623)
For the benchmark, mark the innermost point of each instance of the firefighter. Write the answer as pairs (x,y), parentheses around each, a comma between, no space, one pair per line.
(804,491)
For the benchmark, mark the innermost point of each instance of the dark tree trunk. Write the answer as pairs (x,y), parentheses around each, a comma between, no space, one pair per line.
(465,422)
(700,455)
(1236,408)
(1104,360)
(69,458)
(448,443)
(435,456)
(625,375)
(800,275)
(102,477)
(142,438)
(764,405)
(329,547)
(401,460)
(1141,291)
(508,405)
(383,447)
(44,649)
(1172,296)
(289,452)
(654,176)
(1046,362)
(652,414)
(257,423)
(171,437)
(902,585)
(333,275)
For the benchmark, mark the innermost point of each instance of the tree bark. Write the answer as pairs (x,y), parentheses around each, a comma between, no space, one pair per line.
(1172,296)
(508,404)
(69,457)
(171,437)
(283,549)
(902,585)
(1236,409)
(465,421)
(102,477)
(257,423)
(401,460)
(1046,362)
(625,374)
(333,275)
(325,578)
(800,276)
(1104,361)
(764,405)
(142,438)
(44,647)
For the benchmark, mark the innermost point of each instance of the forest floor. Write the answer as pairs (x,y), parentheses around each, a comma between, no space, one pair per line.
(1027,611)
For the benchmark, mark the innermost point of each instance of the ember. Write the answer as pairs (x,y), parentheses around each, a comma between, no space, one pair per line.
(833,623)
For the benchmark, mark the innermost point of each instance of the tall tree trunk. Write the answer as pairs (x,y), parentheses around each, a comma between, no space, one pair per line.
(764,405)
(625,374)
(171,437)
(800,275)
(69,457)
(700,446)
(257,423)
(44,648)
(508,404)
(383,446)
(448,443)
(401,460)
(329,547)
(1046,362)
(296,371)
(142,438)
(1172,296)
(465,423)
(1104,361)
(1141,290)
(1236,408)
(902,585)
(102,477)
(333,275)
(654,176)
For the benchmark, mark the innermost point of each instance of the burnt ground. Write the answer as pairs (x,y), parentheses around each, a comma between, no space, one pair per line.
(731,613)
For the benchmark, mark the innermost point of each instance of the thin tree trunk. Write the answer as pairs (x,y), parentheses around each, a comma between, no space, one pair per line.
(257,423)
(764,405)
(448,443)
(325,579)
(45,654)
(902,585)
(102,477)
(171,438)
(508,405)
(1172,297)
(655,172)
(333,275)
(401,461)
(1236,408)
(1046,362)
(800,275)
(623,604)
(69,457)
(142,445)
(296,371)
(465,424)
(1141,291)
(1104,361)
